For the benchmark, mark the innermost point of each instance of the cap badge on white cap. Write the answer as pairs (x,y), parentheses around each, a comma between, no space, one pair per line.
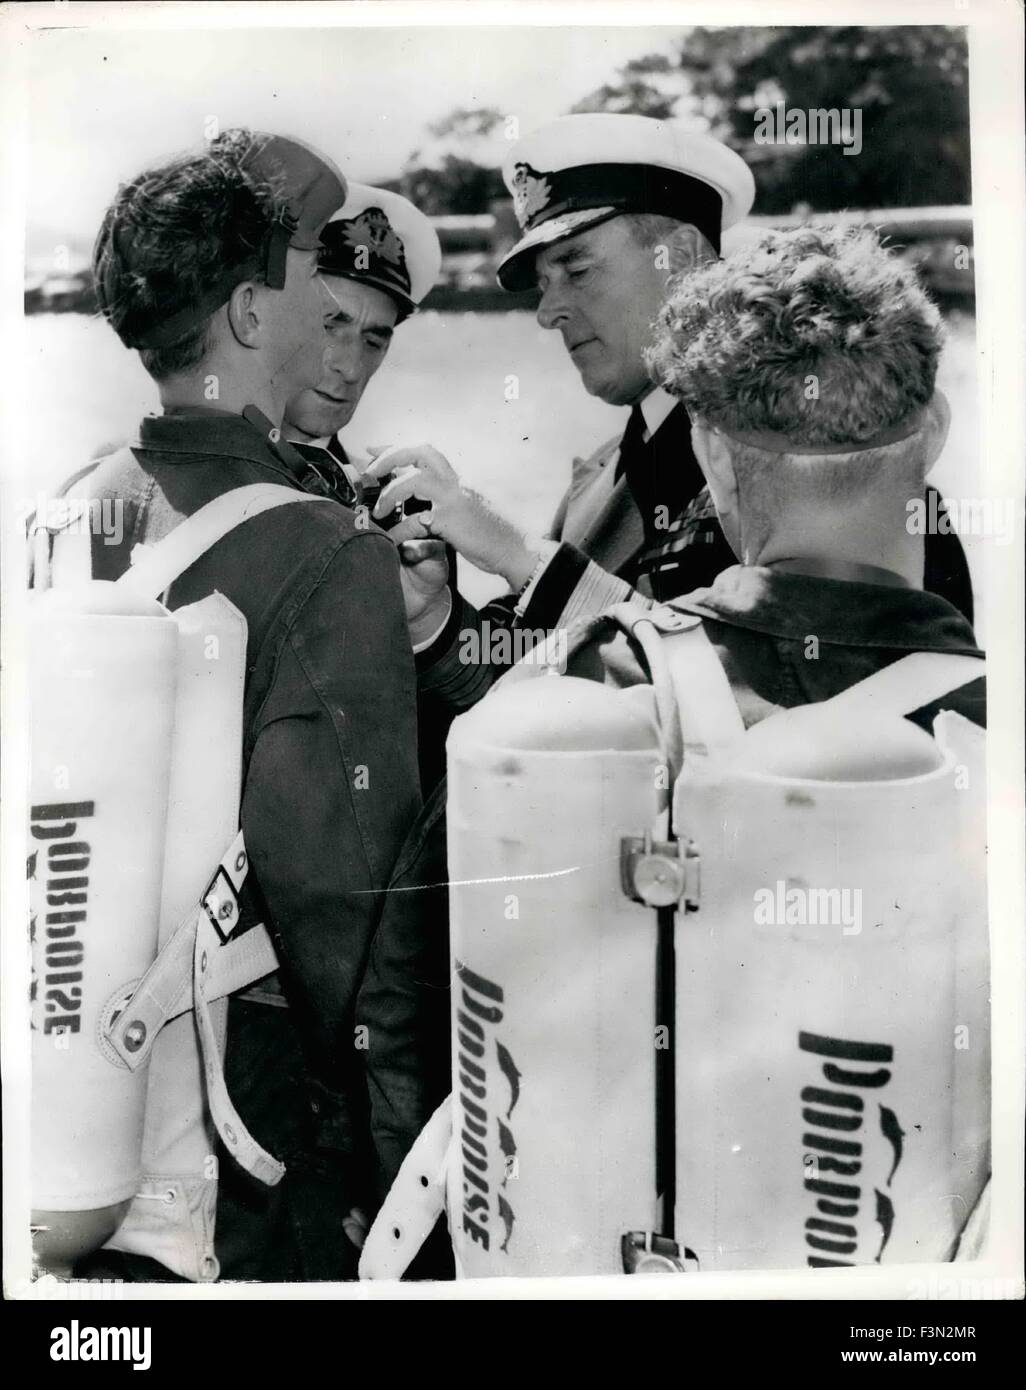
(531,193)
(581,170)
(373,230)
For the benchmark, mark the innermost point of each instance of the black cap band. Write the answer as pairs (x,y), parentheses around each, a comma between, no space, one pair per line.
(628,188)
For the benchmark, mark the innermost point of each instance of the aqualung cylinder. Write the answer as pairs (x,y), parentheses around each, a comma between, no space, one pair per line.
(817,1028)
(102,697)
(553,978)
(179,1190)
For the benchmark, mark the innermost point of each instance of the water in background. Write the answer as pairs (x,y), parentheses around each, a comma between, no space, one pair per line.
(496,393)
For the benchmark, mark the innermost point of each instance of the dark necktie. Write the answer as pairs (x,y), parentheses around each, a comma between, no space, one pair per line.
(324,474)
(636,465)
(662,474)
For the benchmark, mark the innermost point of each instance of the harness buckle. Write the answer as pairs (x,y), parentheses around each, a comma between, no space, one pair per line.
(222,909)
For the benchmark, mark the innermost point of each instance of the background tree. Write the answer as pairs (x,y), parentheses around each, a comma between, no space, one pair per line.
(455,173)
(910,84)
(648,86)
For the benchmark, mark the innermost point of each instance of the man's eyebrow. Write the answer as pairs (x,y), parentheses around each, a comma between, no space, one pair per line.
(568,254)
(343,316)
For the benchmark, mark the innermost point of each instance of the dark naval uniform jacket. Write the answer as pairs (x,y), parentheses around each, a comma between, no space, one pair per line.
(330,690)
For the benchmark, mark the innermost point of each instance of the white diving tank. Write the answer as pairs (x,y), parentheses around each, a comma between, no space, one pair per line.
(553,978)
(831,995)
(172,1219)
(102,679)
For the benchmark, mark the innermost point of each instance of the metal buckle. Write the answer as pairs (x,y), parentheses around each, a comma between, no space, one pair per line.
(643,1253)
(221,910)
(287,219)
(660,873)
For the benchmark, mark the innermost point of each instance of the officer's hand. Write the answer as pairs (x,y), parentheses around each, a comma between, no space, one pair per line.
(356,1226)
(424,573)
(458,514)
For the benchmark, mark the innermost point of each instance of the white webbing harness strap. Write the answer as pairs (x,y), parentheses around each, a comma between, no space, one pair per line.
(414,1203)
(170,986)
(203,961)
(155,567)
(707,711)
(697,712)
(908,684)
(219,912)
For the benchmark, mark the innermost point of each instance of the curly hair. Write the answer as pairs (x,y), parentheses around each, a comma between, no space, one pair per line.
(821,335)
(171,234)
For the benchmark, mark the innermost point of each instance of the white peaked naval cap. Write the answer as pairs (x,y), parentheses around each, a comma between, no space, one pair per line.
(578,171)
(381,239)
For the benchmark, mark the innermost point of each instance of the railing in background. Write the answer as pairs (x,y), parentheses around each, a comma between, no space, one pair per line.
(938,239)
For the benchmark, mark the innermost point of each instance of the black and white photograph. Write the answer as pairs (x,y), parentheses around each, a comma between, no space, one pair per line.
(584,839)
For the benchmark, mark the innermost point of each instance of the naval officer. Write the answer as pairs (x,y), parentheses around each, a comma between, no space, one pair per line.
(379,258)
(612,208)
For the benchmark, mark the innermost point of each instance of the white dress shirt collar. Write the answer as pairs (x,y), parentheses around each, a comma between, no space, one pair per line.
(655,408)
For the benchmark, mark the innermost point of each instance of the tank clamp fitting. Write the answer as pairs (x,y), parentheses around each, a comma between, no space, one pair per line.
(660,873)
(650,1254)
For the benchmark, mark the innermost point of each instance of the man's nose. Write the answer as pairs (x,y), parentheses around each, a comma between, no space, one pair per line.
(553,310)
(343,360)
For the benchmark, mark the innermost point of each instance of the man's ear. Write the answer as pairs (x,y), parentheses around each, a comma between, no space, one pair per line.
(244,314)
(714,458)
(935,426)
(685,245)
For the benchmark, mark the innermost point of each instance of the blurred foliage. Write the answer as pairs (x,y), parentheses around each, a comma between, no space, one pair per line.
(452,181)
(909,82)
(467,123)
(635,92)
(456,185)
